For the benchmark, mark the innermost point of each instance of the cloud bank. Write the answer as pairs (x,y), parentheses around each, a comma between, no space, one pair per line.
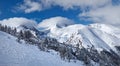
(39,5)
(108,15)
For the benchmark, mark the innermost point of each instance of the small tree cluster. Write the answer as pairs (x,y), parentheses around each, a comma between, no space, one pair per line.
(27,36)
(9,30)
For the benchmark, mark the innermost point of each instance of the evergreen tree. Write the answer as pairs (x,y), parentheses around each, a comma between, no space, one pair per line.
(20,35)
(27,34)
(14,32)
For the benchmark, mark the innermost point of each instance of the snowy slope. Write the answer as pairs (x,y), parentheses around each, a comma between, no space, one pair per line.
(14,54)
(107,28)
(101,36)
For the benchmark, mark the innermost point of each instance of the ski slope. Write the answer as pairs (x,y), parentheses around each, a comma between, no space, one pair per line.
(13,53)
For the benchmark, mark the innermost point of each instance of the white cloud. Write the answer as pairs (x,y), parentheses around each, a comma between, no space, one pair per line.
(31,6)
(55,21)
(68,4)
(18,21)
(109,15)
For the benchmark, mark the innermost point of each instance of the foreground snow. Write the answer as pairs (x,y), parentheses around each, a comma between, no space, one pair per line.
(14,54)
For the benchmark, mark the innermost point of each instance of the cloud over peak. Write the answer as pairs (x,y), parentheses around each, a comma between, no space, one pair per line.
(55,22)
(18,21)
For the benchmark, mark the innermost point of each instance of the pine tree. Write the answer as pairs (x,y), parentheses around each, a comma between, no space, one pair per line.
(27,34)
(14,32)
(20,36)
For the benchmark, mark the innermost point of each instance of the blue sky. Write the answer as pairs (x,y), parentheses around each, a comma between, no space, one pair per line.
(7,8)
(80,11)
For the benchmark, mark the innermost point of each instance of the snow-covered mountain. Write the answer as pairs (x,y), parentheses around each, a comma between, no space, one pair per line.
(101,36)
(94,44)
